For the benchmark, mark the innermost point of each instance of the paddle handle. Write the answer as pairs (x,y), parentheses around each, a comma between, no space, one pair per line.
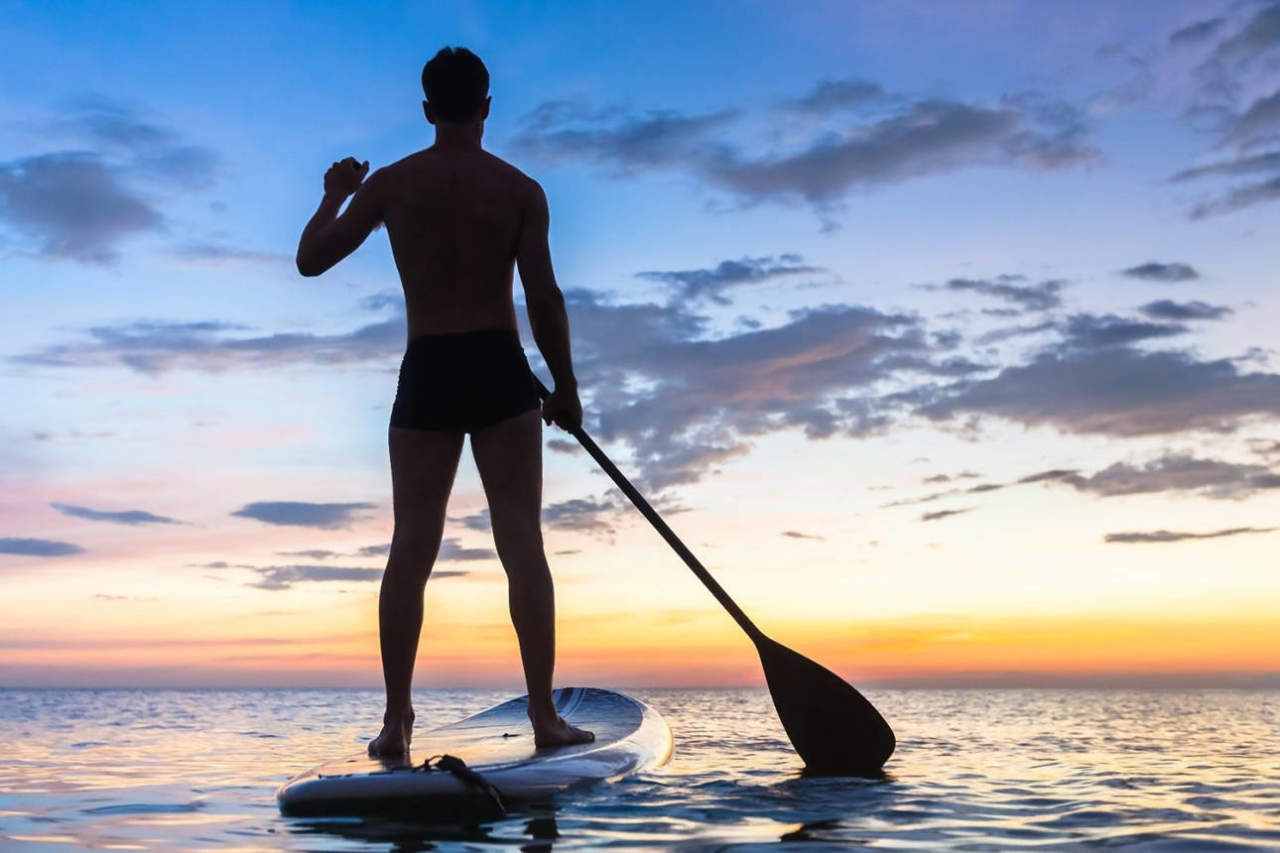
(661,526)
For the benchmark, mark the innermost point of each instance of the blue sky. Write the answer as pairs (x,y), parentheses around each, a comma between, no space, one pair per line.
(820,257)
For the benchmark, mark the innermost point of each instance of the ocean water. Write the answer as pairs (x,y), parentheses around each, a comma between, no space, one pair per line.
(975,770)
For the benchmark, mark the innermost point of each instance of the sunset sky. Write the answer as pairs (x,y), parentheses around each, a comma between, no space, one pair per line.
(944,333)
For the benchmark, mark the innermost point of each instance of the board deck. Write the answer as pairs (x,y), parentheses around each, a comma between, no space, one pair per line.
(497,744)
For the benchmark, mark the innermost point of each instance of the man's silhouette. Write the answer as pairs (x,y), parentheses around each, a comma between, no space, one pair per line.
(459,219)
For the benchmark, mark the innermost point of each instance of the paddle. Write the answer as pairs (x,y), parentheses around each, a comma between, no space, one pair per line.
(832,726)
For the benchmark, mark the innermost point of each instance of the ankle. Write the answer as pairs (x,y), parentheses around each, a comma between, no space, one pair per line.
(543,714)
(398,715)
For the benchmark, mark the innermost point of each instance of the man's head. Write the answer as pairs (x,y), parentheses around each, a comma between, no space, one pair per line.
(456,84)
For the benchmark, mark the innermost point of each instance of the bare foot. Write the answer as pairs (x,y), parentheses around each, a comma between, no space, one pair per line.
(397,731)
(556,732)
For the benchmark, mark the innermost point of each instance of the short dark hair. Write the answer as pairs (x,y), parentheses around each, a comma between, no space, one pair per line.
(455,82)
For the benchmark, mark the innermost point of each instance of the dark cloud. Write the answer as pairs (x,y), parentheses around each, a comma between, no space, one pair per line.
(475,521)
(1052,474)
(1155,271)
(1167,309)
(82,203)
(996,336)
(206,252)
(629,145)
(1258,124)
(37,547)
(302,514)
(1179,536)
(796,534)
(153,346)
(1177,472)
(1115,391)
(383,299)
(711,283)
(1260,34)
(312,554)
(944,513)
(1027,297)
(452,551)
(75,206)
(586,515)
(830,96)
(1093,331)
(928,137)
(918,138)
(1247,165)
(374,550)
(708,397)
(284,577)
(1238,198)
(1197,32)
(131,516)
(558,445)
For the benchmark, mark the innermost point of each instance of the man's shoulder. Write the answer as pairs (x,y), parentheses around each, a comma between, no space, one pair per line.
(519,179)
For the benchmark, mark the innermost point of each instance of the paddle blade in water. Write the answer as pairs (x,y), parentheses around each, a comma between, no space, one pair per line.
(833,727)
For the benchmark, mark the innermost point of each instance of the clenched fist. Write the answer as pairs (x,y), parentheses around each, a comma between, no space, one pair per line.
(345,177)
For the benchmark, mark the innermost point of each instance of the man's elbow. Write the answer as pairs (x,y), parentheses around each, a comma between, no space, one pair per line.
(307,267)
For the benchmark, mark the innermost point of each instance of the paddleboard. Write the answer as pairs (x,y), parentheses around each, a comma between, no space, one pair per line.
(498,745)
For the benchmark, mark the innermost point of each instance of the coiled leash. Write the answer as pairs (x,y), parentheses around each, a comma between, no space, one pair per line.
(459,768)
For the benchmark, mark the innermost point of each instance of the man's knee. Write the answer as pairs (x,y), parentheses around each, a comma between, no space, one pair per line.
(415,544)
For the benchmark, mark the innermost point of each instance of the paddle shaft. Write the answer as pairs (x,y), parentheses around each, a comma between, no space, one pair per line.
(661,526)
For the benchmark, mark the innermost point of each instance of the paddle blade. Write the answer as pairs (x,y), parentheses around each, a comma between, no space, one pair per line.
(833,727)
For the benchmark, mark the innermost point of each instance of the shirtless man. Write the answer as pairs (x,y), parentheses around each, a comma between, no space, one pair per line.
(459,219)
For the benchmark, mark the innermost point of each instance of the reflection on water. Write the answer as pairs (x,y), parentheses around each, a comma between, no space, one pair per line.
(166,770)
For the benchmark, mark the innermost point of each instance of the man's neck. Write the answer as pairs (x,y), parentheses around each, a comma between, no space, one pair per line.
(457,137)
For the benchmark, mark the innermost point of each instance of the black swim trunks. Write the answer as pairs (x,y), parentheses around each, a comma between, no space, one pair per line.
(463,381)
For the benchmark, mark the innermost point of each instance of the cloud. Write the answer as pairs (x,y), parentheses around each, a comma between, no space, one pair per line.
(557,445)
(1259,35)
(944,513)
(1092,331)
(1258,124)
(1179,536)
(1116,391)
(301,514)
(1167,309)
(796,534)
(475,521)
(586,515)
(374,550)
(37,547)
(75,206)
(711,283)
(312,554)
(1177,472)
(1247,165)
(1035,297)
(630,145)
(1197,32)
(830,96)
(80,204)
(156,346)
(1156,271)
(132,516)
(703,398)
(452,551)
(1238,198)
(284,577)
(206,252)
(916,138)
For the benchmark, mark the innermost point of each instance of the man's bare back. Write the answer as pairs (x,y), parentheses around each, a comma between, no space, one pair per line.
(454,219)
